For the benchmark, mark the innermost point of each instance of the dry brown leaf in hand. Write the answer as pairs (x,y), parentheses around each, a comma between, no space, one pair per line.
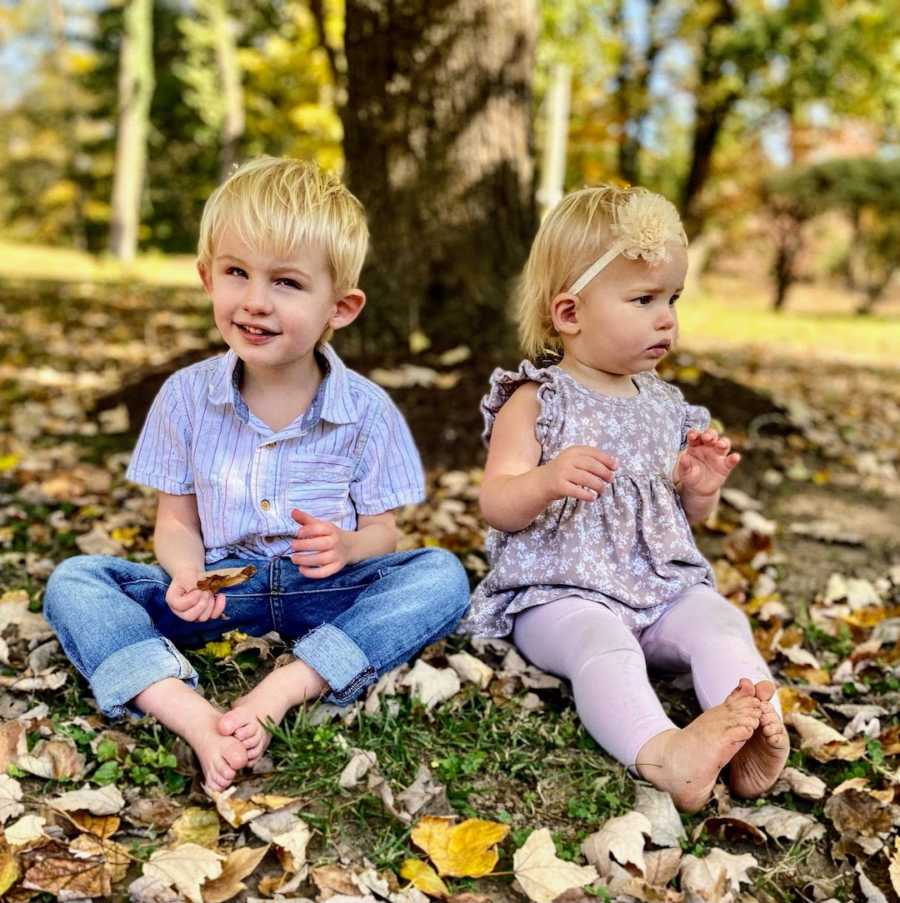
(196,825)
(239,864)
(424,877)
(621,840)
(186,868)
(542,874)
(214,581)
(466,850)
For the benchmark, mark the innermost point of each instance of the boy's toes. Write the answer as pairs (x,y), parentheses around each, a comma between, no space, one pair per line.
(231,721)
(246,732)
(235,756)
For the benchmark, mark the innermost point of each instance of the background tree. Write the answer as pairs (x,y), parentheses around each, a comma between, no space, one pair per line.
(437,145)
(135,94)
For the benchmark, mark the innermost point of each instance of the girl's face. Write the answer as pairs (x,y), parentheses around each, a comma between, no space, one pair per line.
(624,321)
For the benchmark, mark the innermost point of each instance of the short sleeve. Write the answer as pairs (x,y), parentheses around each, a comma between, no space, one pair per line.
(161,458)
(505,382)
(389,472)
(696,417)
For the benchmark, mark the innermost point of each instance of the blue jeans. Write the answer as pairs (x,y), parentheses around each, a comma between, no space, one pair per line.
(113,622)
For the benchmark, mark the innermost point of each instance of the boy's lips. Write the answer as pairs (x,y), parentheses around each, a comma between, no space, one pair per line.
(255,334)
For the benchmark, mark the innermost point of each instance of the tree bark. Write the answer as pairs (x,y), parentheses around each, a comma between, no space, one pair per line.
(437,144)
(135,92)
(223,28)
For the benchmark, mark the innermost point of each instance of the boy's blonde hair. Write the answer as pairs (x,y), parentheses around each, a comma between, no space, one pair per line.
(571,237)
(277,204)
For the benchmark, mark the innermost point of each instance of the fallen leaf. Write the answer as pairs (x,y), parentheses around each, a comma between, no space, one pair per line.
(214,581)
(239,864)
(26,830)
(9,868)
(431,685)
(13,742)
(103,801)
(542,874)
(186,868)
(10,798)
(236,811)
(152,890)
(466,850)
(778,822)
(805,785)
(157,813)
(856,813)
(423,792)
(360,762)
(424,877)
(288,832)
(57,760)
(666,828)
(894,867)
(196,825)
(334,880)
(620,839)
(471,669)
(716,877)
(823,742)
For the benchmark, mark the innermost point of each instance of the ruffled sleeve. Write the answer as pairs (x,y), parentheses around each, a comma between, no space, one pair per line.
(696,417)
(505,382)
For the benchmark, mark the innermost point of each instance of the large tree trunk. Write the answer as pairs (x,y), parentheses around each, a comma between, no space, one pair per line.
(135,93)
(437,143)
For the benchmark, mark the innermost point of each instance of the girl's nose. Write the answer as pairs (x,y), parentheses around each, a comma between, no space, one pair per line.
(666,318)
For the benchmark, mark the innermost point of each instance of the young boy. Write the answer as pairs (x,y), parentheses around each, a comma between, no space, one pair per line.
(273,455)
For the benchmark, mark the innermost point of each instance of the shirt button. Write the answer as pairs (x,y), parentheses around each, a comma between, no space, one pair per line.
(269,539)
(269,445)
(264,504)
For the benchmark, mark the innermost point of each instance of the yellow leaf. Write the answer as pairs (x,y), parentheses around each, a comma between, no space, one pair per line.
(9,869)
(196,825)
(464,850)
(424,877)
(418,342)
(8,462)
(894,868)
(102,826)
(238,865)
(220,649)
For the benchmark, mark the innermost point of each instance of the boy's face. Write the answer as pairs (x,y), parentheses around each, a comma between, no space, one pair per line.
(272,312)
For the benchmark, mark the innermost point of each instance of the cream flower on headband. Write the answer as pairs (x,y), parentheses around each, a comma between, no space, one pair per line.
(644,225)
(641,227)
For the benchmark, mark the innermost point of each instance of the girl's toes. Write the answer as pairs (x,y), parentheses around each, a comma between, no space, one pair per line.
(765,690)
(245,732)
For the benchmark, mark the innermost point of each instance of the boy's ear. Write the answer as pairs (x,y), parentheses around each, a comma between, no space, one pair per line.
(347,308)
(564,313)
(205,278)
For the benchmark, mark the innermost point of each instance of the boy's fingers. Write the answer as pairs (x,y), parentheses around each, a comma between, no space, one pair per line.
(316,544)
(320,572)
(316,560)
(302,518)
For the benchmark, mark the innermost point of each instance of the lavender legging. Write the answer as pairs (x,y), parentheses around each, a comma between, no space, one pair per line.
(607,664)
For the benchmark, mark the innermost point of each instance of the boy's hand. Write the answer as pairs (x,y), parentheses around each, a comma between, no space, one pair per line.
(190,603)
(579,472)
(705,464)
(321,548)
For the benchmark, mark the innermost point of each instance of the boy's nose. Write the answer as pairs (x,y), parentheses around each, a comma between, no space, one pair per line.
(256,298)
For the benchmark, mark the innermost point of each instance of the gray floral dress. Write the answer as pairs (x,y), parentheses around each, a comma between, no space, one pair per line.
(632,549)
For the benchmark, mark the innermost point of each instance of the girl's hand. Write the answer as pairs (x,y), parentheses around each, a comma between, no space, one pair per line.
(705,464)
(190,603)
(579,472)
(321,548)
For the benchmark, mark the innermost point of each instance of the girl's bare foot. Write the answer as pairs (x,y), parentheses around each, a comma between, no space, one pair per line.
(757,766)
(269,701)
(685,763)
(188,714)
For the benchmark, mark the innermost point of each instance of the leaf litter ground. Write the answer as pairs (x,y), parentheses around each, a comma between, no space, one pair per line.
(806,542)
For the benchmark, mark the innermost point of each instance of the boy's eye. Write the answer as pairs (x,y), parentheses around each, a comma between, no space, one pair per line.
(235,271)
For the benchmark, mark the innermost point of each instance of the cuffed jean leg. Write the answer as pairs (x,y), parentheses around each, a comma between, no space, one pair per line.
(415,599)
(103,611)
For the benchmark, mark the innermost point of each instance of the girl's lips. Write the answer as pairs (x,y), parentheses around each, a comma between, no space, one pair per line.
(658,350)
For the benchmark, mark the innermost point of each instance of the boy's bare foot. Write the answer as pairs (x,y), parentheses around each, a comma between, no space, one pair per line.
(188,714)
(760,761)
(269,701)
(686,762)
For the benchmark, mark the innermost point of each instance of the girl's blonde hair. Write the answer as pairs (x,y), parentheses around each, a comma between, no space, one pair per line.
(571,237)
(277,204)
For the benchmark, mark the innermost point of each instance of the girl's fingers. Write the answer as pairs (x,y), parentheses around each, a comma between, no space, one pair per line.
(582,493)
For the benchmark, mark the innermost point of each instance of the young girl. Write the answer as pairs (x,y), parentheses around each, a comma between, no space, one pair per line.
(596,469)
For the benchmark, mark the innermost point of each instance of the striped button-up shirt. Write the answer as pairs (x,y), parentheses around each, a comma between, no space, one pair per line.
(350,453)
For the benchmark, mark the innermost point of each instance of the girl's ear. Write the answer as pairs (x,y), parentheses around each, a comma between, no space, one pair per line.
(564,313)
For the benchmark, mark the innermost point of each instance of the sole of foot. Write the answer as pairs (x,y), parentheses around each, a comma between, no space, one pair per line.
(686,762)
(755,769)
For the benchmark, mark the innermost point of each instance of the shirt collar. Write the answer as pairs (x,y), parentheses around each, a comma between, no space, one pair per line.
(338,405)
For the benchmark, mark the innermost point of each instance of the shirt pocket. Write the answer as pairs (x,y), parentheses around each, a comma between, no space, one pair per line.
(319,484)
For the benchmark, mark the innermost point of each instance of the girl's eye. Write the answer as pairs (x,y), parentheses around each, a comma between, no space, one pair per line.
(644,300)
(673,300)
(290,283)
